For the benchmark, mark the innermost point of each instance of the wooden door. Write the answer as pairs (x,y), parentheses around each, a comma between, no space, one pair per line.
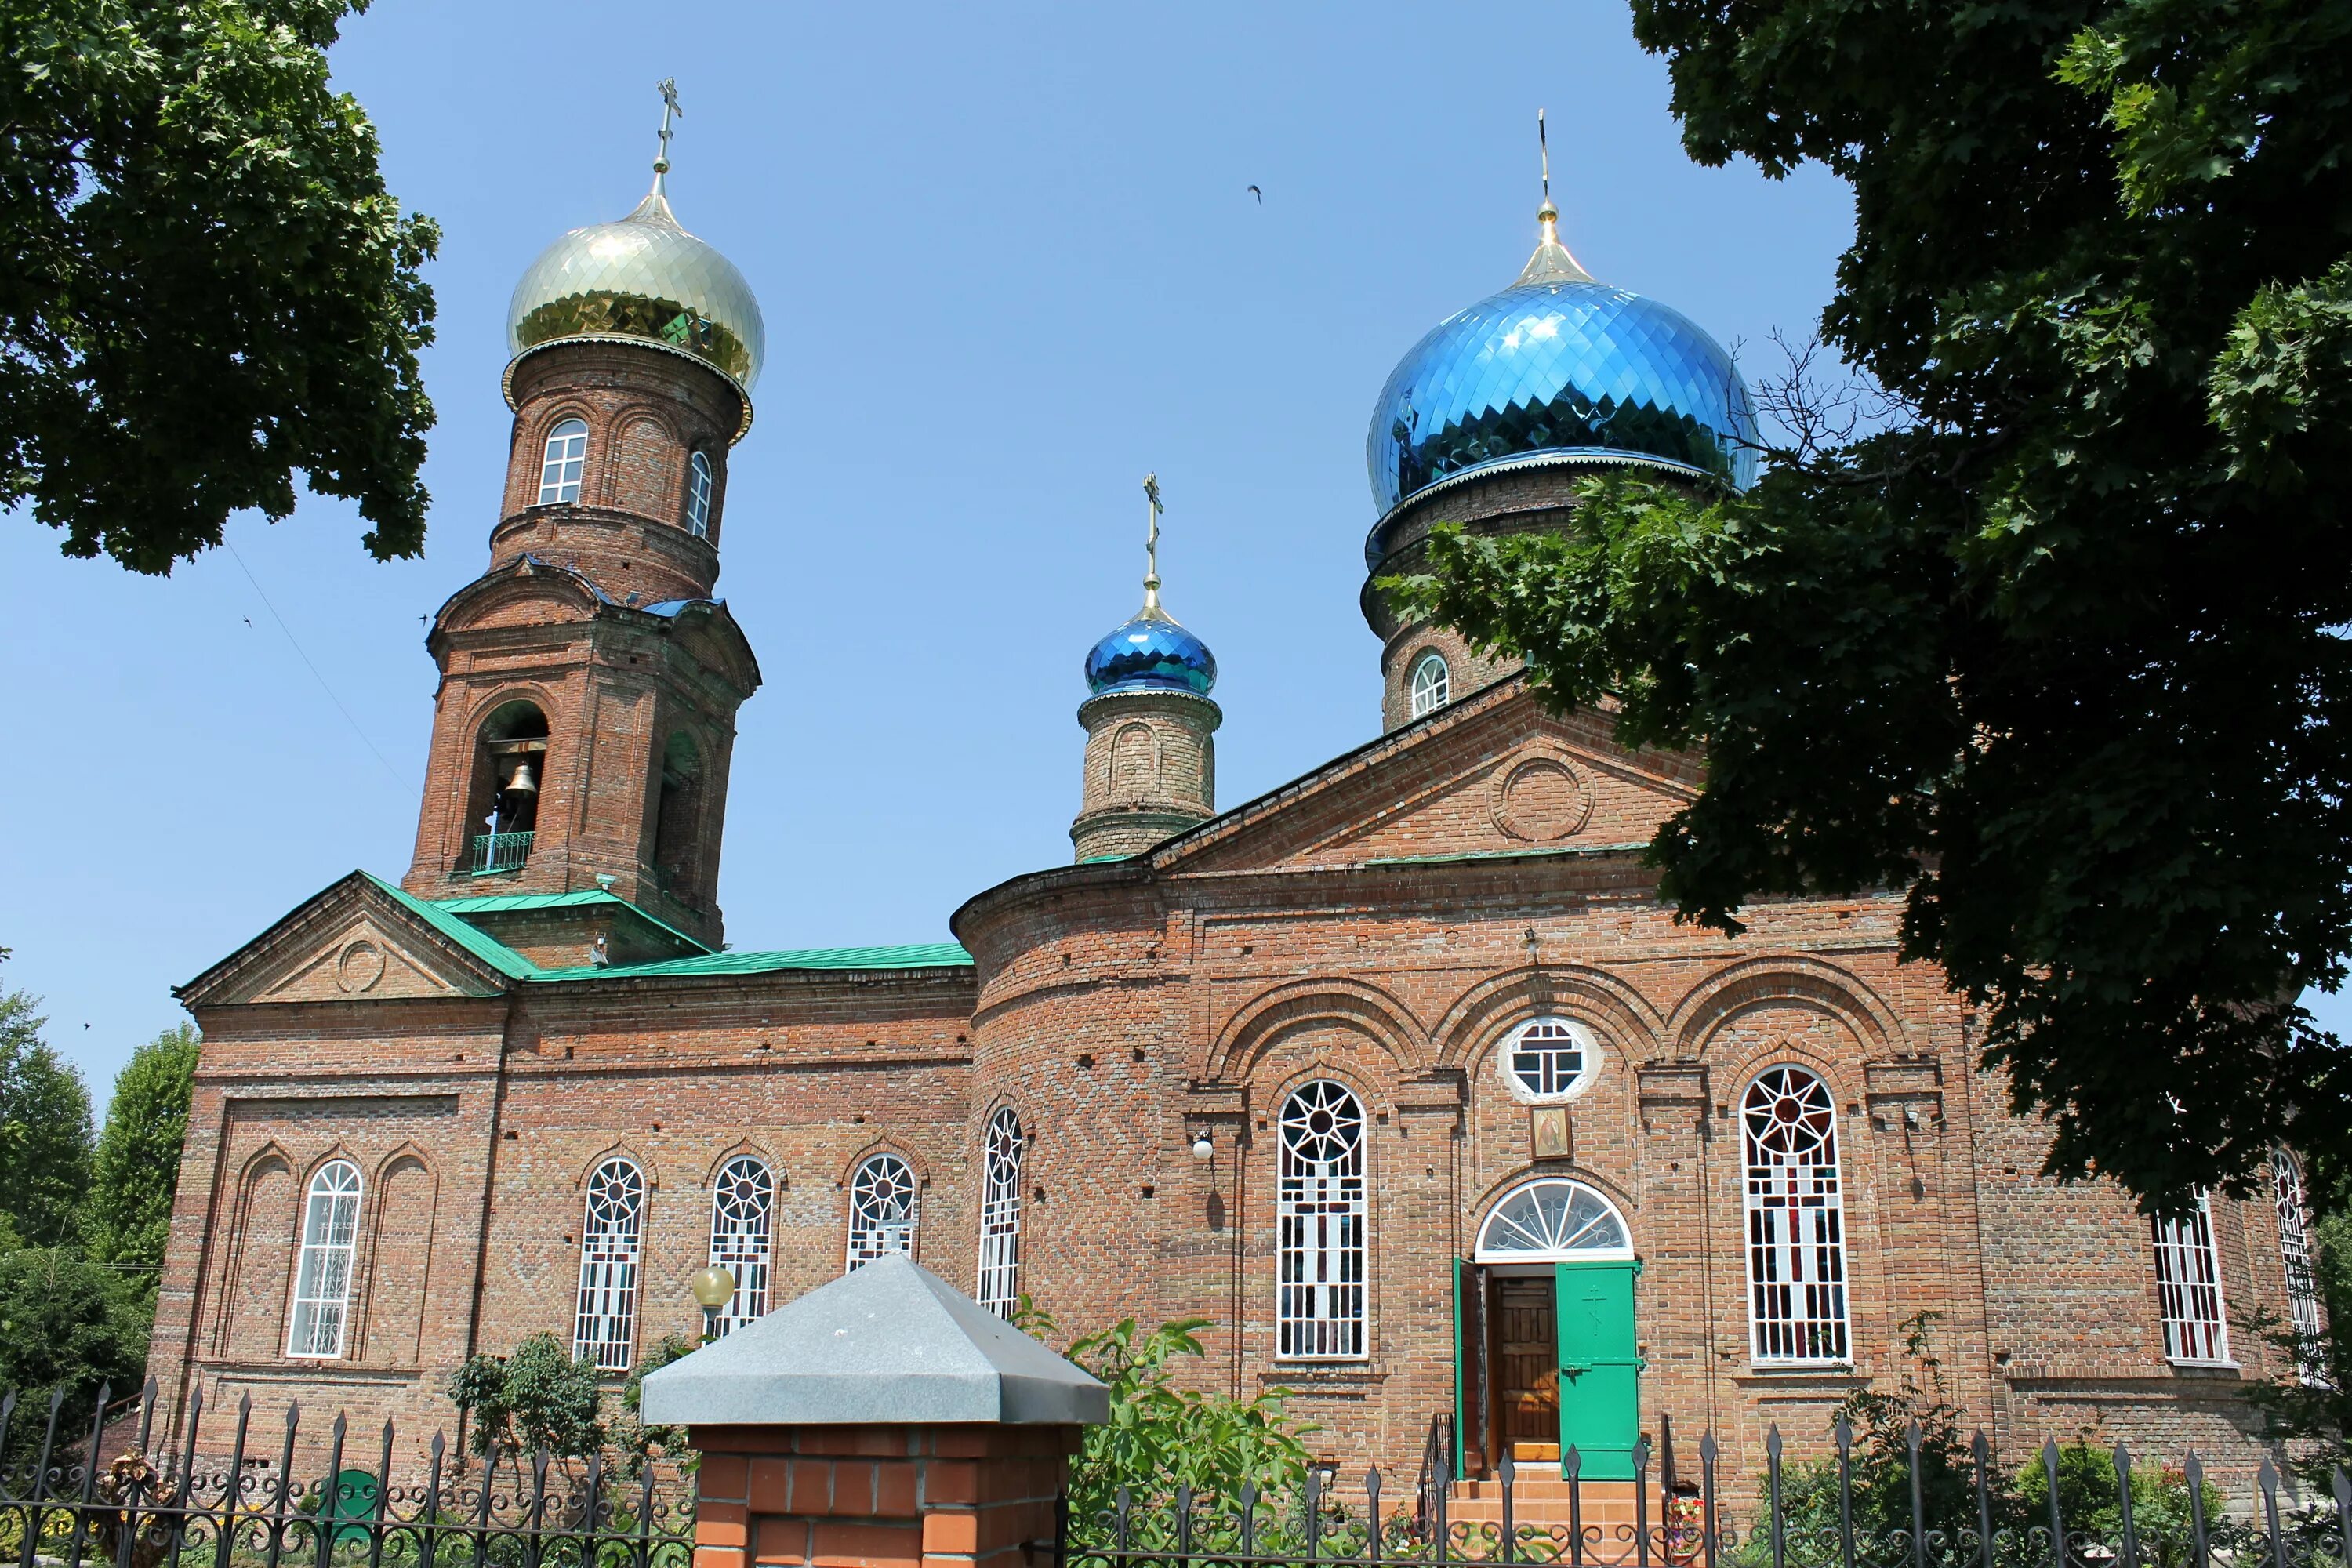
(1527,1368)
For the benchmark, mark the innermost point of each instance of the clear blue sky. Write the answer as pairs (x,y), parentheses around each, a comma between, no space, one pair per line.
(1008,264)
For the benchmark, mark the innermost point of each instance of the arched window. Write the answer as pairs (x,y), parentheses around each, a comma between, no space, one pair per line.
(1319,1216)
(1552,1220)
(1796,1220)
(322,1280)
(1549,1058)
(2295,1254)
(740,1202)
(882,1210)
(698,495)
(1433,684)
(610,1237)
(999,1216)
(2188,1286)
(564,461)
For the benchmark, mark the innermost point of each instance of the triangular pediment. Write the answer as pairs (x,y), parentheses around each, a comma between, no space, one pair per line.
(356,940)
(1496,775)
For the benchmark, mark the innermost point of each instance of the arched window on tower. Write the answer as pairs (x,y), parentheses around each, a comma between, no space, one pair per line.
(1319,1217)
(999,1216)
(563,463)
(883,1205)
(605,1331)
(322,1279)
(698,495)
(742,1201)
(2188,1286)
(509,765)
(1433,684)
(1795,1219)
(2294,1254)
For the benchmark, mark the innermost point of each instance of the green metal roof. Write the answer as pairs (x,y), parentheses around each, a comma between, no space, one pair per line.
(489,950)
(919,955)
(506,903)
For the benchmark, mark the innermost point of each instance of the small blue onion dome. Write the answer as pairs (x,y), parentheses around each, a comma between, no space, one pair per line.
(1562,365)
(1151,653)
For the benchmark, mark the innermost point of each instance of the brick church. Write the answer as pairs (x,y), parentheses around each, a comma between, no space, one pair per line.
(1399,1074)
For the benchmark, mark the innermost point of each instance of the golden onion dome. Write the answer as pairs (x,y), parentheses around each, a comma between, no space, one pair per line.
(643,278)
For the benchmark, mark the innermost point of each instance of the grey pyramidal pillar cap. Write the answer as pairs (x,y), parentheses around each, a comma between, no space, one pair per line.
(892,1342)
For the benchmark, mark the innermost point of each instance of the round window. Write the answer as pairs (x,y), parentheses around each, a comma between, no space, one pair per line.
(1549,1058)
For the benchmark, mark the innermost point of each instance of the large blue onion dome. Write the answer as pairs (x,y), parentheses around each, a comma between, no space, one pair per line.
(1151,653)
(1559,368)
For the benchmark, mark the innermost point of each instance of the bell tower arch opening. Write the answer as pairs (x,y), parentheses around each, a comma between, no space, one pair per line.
(509,772)
(677,815)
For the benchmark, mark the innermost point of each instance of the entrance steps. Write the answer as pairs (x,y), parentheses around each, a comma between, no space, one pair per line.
(1541,1498)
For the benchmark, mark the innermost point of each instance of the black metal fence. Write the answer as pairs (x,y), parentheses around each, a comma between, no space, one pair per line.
(2087,1509)
(81,1496)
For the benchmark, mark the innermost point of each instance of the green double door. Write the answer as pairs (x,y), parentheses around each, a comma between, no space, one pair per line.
(1593,1377)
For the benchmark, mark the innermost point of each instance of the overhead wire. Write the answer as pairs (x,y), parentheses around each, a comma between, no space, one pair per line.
(390,771)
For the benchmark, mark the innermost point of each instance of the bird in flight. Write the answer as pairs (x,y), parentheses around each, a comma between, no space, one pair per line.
(249,620)
(1259,194)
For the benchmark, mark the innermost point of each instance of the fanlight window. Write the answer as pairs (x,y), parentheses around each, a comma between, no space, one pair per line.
(322,1282)
(2295,1254)
(1549,1058)
(999,1216)
(1433,684)
(1551,1220)
(563,462)
(742,1202)
(1320,1219)
(698,494)
(610,1235)
(882,1210)
(1796,1220)
(2188,1286)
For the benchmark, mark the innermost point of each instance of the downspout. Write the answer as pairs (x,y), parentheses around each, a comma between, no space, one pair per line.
(490,1191)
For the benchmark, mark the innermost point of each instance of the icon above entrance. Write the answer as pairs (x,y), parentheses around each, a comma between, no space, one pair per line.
(1545,1354)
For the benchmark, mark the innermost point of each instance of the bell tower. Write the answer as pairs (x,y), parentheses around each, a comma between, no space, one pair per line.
(589,679)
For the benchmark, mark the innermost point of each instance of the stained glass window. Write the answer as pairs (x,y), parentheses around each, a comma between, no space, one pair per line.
(2188,1286)
(1433,684)
(1548,1058)
(999,1216)
(698,494)
(882,1210)
(563,462)
(742,1202)
(322,1280)
(1795,1219)
(605,1331)
(2295,1254)
(1549,1220)
(1319,1207)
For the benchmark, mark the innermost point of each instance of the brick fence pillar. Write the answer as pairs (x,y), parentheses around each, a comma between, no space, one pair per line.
(881,1421)
(915,1496)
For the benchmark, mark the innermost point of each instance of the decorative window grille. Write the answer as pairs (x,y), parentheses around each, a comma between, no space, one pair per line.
(605,1329)
(742,1202)
(1796,1220)
(2294,1252)
(1000,1216)
(882,1210)
(1319,1212)
(1433,684)
(322,1280)
(1548,1058)
(563,463)
(2188,1286)
(698,494)
(1551,1219)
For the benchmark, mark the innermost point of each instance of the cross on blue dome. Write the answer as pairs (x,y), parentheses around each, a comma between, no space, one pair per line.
(1561,365)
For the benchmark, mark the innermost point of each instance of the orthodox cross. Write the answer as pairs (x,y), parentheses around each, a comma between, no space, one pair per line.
(667,88)
(1151,542)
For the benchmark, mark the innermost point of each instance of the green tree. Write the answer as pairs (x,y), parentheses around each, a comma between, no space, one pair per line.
(136,1169)
(65,1323)
(207,286)
(44,1129)
(2057,648)
(539,1396)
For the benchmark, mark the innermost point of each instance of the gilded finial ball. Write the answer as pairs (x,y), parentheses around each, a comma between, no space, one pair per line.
(713,1287)
(1547,213)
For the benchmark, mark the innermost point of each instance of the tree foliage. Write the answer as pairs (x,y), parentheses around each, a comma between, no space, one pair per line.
(45,1150)
(65,1323)
(2059,648)
(207,285)
(539,1396)
(136,1169)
